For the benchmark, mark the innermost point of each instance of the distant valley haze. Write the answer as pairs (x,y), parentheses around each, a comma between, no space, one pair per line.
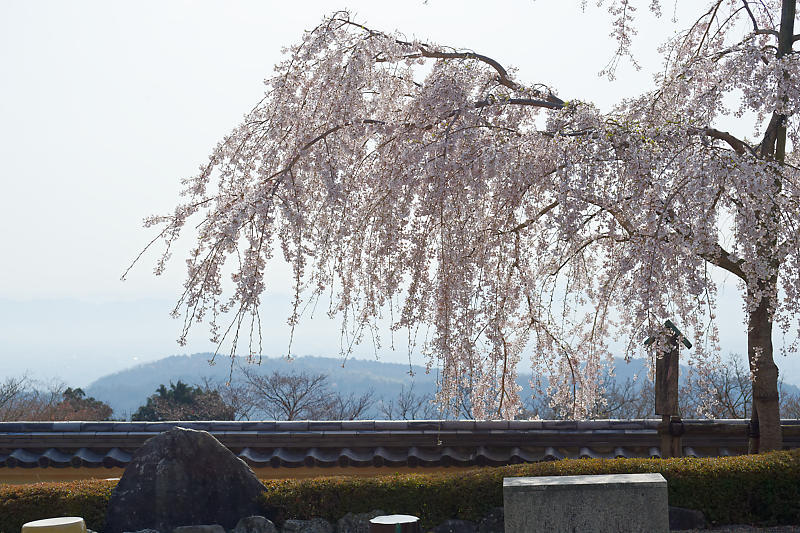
(79,341)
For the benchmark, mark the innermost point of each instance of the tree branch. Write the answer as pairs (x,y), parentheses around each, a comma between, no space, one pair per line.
(708,27)
(549,99)
(756,29)
(718,256)
(521,101)
(767,145)
(723,259)
(739,146)
(530,221)
(503,78)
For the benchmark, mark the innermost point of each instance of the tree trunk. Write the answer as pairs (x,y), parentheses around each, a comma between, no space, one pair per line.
(765,380)
(765,426)
(752,430)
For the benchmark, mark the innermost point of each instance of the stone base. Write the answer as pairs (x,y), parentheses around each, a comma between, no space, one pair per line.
(617,503)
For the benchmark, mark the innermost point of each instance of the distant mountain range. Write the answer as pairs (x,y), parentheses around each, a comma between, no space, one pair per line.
(128,389)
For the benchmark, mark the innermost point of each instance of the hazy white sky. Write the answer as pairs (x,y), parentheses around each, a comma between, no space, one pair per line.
(104,106)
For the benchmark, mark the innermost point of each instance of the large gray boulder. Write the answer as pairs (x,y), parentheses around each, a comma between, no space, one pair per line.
(183,477)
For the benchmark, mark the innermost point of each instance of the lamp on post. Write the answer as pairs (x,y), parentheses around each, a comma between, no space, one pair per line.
(666,388)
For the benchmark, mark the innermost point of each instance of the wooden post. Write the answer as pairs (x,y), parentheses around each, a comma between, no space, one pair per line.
(667,381)
(671,428)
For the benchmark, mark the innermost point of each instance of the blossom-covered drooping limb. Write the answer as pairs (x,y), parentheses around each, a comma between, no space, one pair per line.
(424,182)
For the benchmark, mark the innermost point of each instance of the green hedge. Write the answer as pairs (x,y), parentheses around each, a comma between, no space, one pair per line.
(754,489)
(24,503)
(750,489)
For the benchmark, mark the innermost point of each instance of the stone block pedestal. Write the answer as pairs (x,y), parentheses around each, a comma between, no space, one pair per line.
(616,503)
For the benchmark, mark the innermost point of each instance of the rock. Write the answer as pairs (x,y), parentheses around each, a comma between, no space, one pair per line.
(456,526)
(680,518)
(255,524)
(356,523)
(315,525)
(494,522)
(140,531)
(212,528)
(183,477)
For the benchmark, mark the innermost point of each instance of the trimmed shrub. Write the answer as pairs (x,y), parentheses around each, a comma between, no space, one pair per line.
(748,489)
(24,503)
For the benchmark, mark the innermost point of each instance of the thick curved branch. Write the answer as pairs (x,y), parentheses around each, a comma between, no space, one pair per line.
(717,256)
(723,259)
(501,71)
(549,99)
(521,101)
(739,146)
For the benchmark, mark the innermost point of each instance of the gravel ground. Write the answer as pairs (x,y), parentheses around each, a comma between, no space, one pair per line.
(743,529)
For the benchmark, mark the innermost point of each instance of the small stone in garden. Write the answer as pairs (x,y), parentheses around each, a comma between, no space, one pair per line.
(356,523)
(493,522)
(255,524)
(206,528)
(456,526)
(292,526)
(681,518)
(315,525)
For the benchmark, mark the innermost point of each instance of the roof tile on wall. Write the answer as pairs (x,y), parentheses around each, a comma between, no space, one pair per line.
(372,443)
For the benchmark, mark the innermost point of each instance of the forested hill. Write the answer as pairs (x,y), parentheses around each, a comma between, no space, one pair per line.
(126,390)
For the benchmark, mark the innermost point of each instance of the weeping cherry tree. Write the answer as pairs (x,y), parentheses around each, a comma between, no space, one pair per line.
(426,185)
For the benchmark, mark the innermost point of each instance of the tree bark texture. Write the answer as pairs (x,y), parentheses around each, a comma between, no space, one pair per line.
(766,409)
(765,379)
